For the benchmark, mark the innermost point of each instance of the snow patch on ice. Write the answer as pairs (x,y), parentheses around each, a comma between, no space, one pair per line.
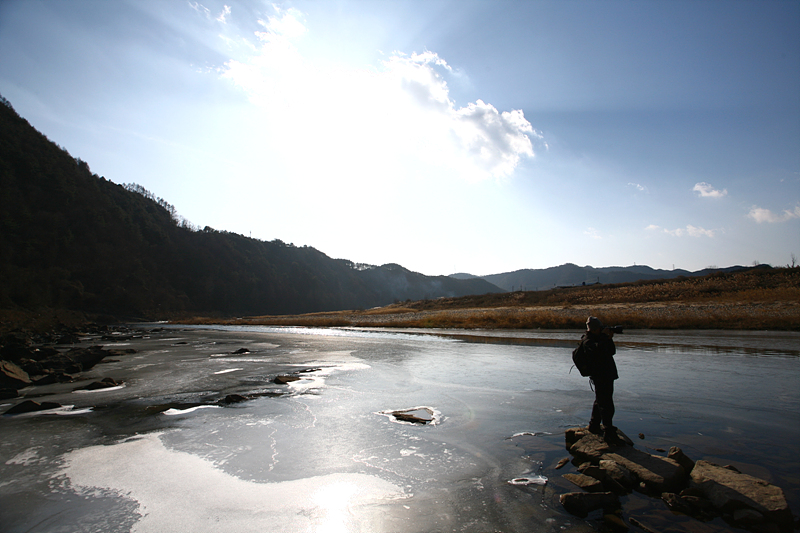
(178,491)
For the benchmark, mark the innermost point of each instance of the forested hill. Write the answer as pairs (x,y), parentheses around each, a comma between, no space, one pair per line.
(70,239)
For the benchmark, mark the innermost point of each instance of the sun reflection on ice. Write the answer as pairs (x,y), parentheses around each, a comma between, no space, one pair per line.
(334,502)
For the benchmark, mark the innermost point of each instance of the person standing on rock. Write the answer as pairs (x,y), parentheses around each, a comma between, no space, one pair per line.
(598,342)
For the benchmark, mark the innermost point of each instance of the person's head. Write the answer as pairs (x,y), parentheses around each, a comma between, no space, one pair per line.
(593,325)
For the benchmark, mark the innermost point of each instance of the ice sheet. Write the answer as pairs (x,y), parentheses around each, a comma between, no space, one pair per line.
(177,491)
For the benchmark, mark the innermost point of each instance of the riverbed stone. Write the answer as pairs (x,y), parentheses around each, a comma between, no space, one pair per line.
(104,383)
(601,475)
(730,491)
(234,398)
(407,417)
(618,473)
(658,474)
(587,483)
(589,447)
(283,380)
(677,455)
(12,376)
(29,406)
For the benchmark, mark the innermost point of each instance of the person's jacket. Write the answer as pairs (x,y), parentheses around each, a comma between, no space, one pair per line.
(601,350)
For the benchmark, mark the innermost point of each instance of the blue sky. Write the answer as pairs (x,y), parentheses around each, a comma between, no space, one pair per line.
(446,136)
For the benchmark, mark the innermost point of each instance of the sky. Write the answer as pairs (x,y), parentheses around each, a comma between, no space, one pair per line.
(445,136)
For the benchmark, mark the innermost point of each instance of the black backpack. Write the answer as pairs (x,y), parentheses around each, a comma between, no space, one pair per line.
(582,360)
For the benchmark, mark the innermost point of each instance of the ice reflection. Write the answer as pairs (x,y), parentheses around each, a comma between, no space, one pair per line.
(334,501)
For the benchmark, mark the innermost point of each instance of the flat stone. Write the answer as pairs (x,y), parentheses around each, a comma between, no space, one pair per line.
(12,376)
(730,491)
(658,474)
(234,398)
(601,475)
(407,417)
(283,380)
(618,473)
(587,483)
(590,447)
(29,406)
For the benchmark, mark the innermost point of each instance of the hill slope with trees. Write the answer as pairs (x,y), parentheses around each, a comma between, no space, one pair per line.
(70,239)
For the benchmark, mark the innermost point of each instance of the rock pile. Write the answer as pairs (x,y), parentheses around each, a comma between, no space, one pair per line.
(23,363)
(702,490)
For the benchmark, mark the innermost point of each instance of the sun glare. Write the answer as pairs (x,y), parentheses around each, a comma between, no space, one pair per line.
(350,123)
(334,503)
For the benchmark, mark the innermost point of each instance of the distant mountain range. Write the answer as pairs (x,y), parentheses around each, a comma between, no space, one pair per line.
(570,275)
(70,239)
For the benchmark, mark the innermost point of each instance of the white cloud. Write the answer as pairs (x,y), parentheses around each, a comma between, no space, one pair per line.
(200,8)
(706,190)
(760,214)
(226,10)
(593,233)
(401,108)
(638,187)
(688,231)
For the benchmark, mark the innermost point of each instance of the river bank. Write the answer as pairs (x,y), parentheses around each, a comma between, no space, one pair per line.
(759,299)
(781,315)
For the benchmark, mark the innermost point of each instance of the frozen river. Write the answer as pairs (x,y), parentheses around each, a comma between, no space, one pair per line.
(321,454)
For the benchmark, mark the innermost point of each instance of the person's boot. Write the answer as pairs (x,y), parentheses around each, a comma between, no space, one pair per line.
(610,435)
(595,429)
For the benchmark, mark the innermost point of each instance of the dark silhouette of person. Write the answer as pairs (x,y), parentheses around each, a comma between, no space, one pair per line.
(598,341)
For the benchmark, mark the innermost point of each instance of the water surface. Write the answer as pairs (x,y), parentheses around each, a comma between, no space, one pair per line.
(321,454)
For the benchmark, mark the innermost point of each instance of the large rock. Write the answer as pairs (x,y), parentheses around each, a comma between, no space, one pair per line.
(586,446)
(618,473)
(105,383)
(730,491)
(587,483)
(74,361)
(608,482)
(15,346)
(658,474)
(12,376)
(29,406)
(676,454)
(589,447)
(283,380)
(86,358)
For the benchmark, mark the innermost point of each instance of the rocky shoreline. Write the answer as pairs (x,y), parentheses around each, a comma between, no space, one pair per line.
(610,468)
(28,359)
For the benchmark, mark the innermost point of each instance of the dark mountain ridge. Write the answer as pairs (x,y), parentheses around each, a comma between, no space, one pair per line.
(70,239)
(570,275)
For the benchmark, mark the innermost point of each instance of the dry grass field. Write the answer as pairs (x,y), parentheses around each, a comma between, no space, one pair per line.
(759,298)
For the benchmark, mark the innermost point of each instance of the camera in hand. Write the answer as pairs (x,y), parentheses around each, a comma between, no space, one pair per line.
(615,329)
